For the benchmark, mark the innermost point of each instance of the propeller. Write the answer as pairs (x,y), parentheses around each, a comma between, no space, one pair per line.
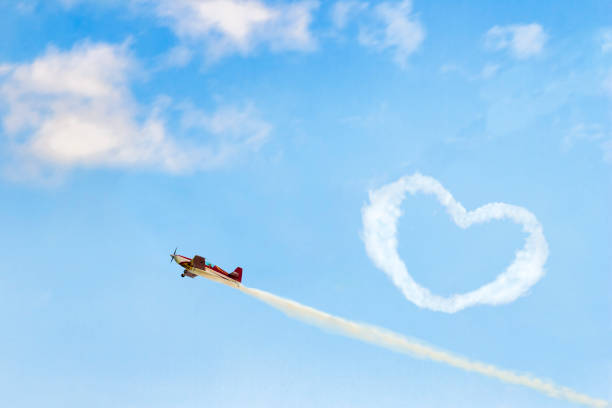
(173,255)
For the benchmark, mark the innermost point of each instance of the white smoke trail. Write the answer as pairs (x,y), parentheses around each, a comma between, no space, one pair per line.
(399,343)
(380,218)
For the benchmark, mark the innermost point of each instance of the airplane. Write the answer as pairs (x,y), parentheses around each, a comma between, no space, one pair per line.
(199,267)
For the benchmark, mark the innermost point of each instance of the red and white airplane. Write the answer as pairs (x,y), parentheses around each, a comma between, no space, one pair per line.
(199,267)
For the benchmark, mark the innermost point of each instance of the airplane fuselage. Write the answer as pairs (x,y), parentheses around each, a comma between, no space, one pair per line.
(207,272)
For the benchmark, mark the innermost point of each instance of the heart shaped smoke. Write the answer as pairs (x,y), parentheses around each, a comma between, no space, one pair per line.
(380,218)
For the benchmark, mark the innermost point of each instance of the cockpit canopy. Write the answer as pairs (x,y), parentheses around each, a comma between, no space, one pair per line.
(200,262)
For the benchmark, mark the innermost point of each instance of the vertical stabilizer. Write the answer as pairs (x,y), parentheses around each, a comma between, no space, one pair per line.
(237,274)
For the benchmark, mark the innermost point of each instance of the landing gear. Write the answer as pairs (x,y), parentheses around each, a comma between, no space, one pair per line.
(182,275)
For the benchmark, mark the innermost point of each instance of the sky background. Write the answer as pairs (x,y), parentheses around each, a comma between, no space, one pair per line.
(251,133)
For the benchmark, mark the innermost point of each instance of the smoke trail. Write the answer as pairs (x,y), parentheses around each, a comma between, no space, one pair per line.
(380,219)
(399,343)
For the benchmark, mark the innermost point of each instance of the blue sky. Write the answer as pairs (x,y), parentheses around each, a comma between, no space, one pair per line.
(251,133)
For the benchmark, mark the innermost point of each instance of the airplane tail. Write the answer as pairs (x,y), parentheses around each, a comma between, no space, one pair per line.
(237,274)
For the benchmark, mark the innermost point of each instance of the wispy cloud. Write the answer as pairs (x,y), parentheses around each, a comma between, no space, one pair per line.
(606,40)
(220,28)
(236,130)
(5,68)
(224,27)
(74,108)
(380,219)
(26,6)
(591,132)
(522,40)
(393,27)
(343,11)
(176,57)
(489,70)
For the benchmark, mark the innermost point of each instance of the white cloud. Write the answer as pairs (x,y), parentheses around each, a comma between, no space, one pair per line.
(69,4)
(489,70)
(396,28)
(5,69)
(178,56)
(238,26)
(380,219)
(75,109)
(237,130)
(523,40)
(606,40)
(583,131)
(594,133)
(343,10)
(590,132)
(26,6)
